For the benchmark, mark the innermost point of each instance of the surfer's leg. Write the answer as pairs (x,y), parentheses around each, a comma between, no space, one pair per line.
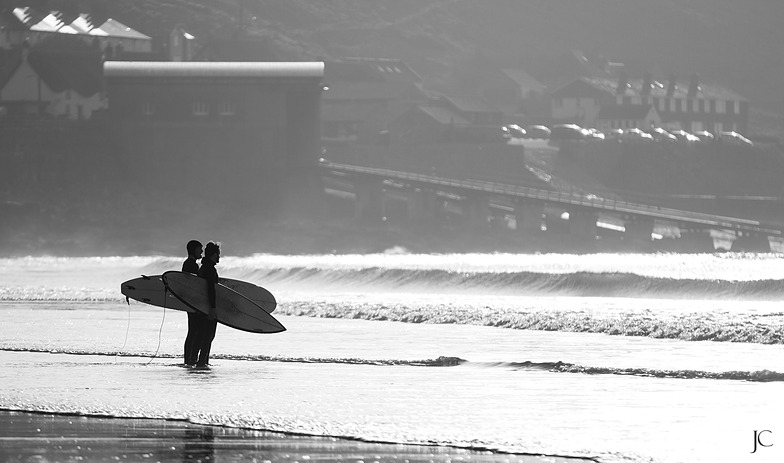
(191,340)
(208,334)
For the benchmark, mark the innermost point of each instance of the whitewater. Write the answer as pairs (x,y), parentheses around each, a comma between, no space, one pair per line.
(615,357)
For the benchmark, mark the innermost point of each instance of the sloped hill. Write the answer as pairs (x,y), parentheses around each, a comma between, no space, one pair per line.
(725,41)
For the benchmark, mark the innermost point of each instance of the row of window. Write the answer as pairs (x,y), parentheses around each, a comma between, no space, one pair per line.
(694,126)
(197,108)
(684,105)
(673,105)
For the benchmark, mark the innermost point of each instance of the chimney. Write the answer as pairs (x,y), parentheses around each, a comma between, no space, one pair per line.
(671,86)
(694,86)
(623,82)
(647,83)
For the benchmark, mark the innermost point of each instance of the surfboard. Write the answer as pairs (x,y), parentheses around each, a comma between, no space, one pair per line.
(151,290)
(232,308)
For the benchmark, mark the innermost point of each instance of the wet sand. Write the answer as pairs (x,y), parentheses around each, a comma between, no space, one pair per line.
(44,437)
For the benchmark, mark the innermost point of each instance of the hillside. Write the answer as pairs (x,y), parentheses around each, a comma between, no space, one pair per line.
(728,42)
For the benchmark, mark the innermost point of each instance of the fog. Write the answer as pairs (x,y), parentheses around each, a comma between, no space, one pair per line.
(99,165)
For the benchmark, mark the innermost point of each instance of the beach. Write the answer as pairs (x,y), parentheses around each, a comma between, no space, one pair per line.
(607,358)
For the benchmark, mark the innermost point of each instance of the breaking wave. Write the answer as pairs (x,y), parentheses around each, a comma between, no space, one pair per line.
(723,277)
(449,361)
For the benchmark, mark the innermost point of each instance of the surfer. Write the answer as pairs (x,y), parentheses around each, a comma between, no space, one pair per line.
(208,322)
(190,265)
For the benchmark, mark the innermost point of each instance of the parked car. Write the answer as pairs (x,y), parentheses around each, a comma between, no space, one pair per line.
(734,138)
(663,136)
(595,134)
(513,131)
(567,132)
(636,135)
(614,134)
(704,135)
(684,136)
(537,131)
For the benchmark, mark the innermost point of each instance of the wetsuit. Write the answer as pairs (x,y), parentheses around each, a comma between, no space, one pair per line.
(207,333)
(191,353)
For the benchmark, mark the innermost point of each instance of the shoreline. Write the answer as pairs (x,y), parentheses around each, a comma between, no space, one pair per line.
(27,435)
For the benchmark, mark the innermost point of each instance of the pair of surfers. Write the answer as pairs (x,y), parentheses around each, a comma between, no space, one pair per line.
(201,327)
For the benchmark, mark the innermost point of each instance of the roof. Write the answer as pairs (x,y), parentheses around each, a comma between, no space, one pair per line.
(659,89)
(9,62)
(526,81)
(469,104)
(388,68)
(624,112)
(62,70)
(29,19)
(348,90)
(239,49)
(443,115)
(582,87)
(313,69)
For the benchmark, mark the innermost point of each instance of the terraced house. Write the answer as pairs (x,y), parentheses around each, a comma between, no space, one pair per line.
(691,105)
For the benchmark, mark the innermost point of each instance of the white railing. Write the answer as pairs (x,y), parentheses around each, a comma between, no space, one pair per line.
(571,198)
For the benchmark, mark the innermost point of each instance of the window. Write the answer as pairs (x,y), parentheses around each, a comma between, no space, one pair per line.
(684,105)
(695,106)
(731,107)
(662,104)
(718,127)
(721,107)
(148,108)
(636,100)
(200,108)
(673,106)
(706,106)
(619,99)
(227,108)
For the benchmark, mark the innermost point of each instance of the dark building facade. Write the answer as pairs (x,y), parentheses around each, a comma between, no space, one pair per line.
(233,130)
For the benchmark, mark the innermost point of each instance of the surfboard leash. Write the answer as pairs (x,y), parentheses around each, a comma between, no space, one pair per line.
(160,330)
(127,329)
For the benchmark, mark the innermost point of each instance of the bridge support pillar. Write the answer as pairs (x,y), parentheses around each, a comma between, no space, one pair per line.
(477,210)
(638,229)
(369,205)
(583,224)
(528,216)
(751,242)
(422,206)
(693,240)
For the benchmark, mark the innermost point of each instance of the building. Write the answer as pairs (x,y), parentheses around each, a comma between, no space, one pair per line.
(29,26)
(52,80)
(691,106)
(233,130)
(363,95)
(627,116)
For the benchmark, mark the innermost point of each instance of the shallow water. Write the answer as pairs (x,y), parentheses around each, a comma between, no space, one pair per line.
(374,354)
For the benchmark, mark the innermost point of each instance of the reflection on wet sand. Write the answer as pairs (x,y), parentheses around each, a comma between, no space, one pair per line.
(43,437)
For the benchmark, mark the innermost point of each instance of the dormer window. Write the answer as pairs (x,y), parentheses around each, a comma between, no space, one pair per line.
(200,108)
(148,108)
(227,108)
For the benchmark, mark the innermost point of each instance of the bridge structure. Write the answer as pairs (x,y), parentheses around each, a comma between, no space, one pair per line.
(578,213)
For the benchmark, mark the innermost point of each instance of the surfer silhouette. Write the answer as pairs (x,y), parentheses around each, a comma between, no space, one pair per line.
(208,322)
(190,265)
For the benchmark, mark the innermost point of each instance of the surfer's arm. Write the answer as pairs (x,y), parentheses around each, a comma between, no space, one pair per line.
(212,281)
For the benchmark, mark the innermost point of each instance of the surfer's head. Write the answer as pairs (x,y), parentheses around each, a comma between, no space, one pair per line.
(194,248)
(212,252)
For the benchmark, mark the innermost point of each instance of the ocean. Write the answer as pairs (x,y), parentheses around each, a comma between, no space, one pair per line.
(615,357)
